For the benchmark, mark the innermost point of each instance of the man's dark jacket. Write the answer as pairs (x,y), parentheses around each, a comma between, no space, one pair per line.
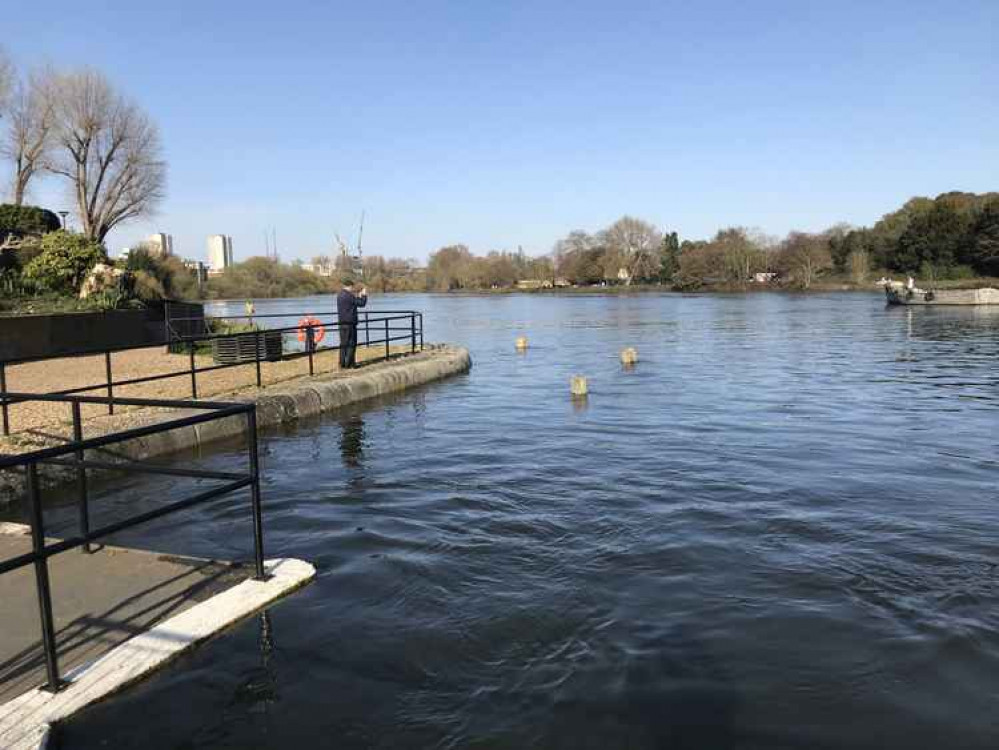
(346,306)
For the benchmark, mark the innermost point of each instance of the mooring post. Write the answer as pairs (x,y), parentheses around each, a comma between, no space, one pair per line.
(258,523)
(107,372)
(3,395)
(629,356)
(42,579)
(81,479)
(194,378)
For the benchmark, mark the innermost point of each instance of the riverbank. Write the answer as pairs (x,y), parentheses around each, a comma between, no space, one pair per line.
(818,287)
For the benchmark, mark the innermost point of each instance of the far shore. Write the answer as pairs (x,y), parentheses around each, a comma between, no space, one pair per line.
(819,287)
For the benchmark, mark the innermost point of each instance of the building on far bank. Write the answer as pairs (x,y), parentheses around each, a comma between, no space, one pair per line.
(160,244)
(219,252)
(319,269)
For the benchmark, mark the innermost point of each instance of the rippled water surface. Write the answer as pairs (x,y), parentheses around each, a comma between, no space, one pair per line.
(779,530)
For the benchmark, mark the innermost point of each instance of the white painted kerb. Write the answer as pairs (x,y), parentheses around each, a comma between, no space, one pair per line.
(25,721)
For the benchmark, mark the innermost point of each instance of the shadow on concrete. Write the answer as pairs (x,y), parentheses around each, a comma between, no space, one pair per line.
(99,601)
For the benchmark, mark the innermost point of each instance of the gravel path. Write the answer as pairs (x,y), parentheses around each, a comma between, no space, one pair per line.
(73,372)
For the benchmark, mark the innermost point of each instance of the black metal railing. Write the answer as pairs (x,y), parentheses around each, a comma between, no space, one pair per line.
(379,328)
(78,454)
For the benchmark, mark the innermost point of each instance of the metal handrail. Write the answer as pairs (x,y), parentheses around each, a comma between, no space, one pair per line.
(385,325)
(43,549)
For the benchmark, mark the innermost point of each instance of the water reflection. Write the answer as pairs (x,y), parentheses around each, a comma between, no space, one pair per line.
(955,323)
(352,440)
(260,688)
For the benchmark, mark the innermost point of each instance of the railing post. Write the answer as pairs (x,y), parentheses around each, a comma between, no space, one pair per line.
(3,395)
(194,377)
(386,338)
(81,479)
(256,356)
(42,579)
(421,332)
(309,342)
(107,372)
(367,332)
(412,329)
(166,325)
(258,524)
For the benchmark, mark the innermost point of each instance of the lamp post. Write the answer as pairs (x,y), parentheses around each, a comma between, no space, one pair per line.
(64,214)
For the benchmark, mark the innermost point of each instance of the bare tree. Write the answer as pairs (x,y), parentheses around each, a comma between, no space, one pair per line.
(804,256)
(636,244)
(739,253)
(8,76)
(107,148)
(27,139)
(859,262)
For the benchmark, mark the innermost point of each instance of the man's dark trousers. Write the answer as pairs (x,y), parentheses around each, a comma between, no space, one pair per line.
(348,345)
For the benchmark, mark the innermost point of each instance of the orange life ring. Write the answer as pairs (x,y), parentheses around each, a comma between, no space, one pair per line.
(318,332)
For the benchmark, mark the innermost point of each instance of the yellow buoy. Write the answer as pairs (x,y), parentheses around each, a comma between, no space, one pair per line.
(521,343)
(578,386)
(629,356)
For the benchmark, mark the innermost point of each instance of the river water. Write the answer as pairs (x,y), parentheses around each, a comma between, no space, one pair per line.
(779,530)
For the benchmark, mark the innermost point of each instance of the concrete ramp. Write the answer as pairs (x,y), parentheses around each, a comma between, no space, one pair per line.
(99,601)
(119,614)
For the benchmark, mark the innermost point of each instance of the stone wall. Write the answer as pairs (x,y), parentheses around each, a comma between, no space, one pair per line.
(26,336)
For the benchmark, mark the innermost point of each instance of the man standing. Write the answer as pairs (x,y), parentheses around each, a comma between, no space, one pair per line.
(346,309)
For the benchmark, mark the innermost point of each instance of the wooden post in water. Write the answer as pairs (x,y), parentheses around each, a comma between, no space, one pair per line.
(521,343)
(578,386)
(629,356)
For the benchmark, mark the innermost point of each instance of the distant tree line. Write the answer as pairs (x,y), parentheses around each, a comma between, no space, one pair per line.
(266,277)
(954,236)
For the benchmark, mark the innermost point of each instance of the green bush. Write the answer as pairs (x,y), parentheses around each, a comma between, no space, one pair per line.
(25,221)
(171,278)
(64,262)
(961,272)
(146,287)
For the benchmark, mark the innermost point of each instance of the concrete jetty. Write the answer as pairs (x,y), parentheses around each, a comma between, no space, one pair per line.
(279,404)
(117,649)
(103,599)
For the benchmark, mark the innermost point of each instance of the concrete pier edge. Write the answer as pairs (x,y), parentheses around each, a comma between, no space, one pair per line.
(26,722)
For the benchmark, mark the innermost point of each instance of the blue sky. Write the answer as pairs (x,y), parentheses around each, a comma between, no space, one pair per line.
(500,124)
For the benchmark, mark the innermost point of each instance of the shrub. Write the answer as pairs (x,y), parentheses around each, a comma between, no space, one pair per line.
(147,287)
(64,262)
(22,221)
(171,278)
(961,272)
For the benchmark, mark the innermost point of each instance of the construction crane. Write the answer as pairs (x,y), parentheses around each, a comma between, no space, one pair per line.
(354,261)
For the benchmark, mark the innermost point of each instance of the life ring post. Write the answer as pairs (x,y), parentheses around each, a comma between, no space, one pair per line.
(311,332)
